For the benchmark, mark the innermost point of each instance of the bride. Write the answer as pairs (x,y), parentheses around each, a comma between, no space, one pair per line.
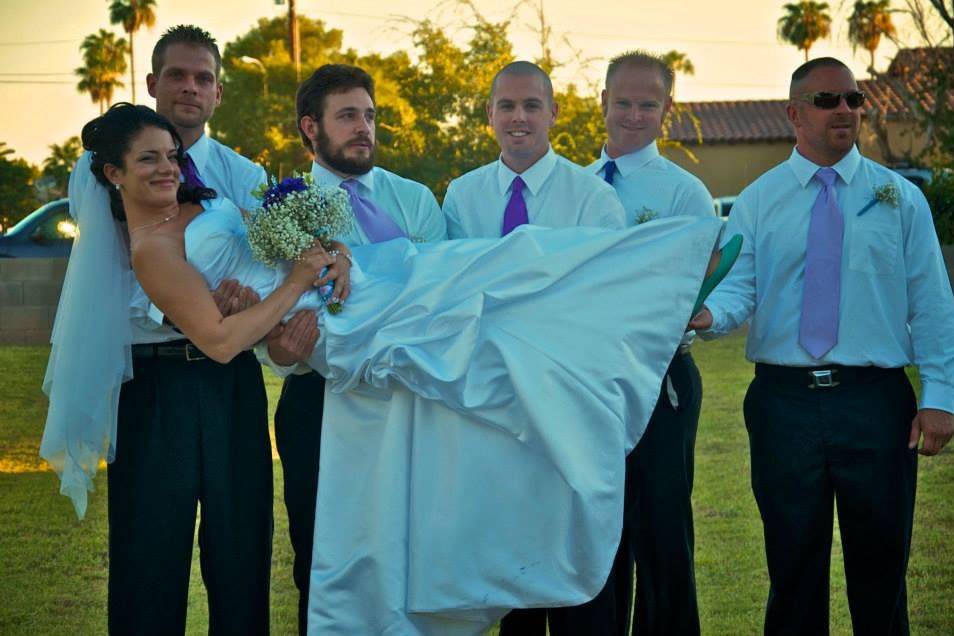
(515,376)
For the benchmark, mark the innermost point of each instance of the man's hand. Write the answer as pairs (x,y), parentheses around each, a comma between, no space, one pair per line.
(294,341)
(231,298)
(702,320)
(937,427)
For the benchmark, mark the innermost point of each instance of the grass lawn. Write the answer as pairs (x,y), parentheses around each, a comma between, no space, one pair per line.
(54,567)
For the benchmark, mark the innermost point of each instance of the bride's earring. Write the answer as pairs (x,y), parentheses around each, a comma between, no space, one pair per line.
(118,186)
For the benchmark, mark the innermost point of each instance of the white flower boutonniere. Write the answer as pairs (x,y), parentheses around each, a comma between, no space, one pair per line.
(887,193)
(645,216)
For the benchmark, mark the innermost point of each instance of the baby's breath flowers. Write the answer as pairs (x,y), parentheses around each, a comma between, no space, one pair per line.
(294,212)
(887,194)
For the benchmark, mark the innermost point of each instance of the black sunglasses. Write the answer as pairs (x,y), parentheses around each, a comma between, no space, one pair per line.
(828,101)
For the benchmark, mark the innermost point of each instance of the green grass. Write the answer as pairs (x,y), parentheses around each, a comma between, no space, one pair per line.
(54,567)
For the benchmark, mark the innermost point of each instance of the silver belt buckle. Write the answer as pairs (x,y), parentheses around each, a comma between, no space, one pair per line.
(193,357)
(824,379)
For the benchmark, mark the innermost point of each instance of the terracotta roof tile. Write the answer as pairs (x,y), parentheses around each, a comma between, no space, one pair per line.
(765,121)
(733,122)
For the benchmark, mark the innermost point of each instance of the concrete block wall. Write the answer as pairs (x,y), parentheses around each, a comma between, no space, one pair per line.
(29,292)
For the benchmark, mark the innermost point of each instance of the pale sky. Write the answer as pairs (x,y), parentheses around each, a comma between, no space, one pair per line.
(732,44)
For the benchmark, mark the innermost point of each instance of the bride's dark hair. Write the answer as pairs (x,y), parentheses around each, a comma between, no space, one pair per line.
(108,138)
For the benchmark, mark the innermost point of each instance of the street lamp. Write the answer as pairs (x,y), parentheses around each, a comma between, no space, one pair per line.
(247,59)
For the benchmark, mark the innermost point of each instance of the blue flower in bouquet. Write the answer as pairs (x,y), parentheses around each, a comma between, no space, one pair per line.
(277,192)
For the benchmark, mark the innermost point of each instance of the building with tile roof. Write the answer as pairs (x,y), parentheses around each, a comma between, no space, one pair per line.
(736,141)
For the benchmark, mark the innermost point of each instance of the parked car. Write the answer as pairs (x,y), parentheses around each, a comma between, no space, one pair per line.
(920,177)
(47,231)
(723,205)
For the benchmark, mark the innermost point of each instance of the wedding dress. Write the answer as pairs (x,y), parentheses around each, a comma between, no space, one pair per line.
(482,396)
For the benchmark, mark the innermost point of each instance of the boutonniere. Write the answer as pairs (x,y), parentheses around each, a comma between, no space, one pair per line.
(645,216)
(887,193)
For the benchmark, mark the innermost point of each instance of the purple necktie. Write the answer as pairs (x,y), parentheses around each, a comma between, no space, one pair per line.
(609,170)
(516,212)
(821,295)
(191,174)
(374,221)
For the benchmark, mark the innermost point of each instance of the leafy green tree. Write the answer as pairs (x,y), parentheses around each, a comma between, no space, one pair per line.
(679,62)
(804,23)
(104,62)
(57,167)
(17,195)
(869,21)
(132,15)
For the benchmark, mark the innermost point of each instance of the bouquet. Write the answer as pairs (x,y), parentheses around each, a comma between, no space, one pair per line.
(294,212)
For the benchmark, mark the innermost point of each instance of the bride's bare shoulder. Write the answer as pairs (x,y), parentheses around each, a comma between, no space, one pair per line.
(156,247)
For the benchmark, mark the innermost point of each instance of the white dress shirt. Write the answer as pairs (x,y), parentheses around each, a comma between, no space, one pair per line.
(896,304)
(410,204)
(230,174)
(653,187)
(649,185)
(558,193)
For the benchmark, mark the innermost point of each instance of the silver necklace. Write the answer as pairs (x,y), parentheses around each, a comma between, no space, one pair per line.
(159,222)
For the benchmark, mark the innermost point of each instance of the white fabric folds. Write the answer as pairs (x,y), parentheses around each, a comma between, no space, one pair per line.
(481,401)
(90,358)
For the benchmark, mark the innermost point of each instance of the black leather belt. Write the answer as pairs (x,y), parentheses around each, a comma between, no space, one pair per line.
(178,349)
(827,377)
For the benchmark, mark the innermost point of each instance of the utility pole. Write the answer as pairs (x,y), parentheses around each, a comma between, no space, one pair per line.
(294,41)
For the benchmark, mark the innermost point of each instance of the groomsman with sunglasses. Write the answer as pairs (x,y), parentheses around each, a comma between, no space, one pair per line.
(842,277)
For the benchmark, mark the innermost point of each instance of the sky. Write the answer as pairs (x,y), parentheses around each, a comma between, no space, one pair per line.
(731,43)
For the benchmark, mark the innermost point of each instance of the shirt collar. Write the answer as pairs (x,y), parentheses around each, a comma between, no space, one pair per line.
(325,177)
(631,161)
(533,177)
(199,151)
(804,169)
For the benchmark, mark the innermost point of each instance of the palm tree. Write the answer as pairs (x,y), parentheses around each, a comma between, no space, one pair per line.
(679,63)
(59,163)
(104,62)
(868,22)
(804,23)
(132,15)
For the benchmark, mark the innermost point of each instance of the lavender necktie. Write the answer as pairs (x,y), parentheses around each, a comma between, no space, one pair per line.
(609,171)
(821,295)
(374,221)
(516,212)
(191,174)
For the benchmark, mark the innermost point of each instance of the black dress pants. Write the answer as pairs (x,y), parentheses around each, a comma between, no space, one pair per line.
(811,448)
(657,532)
(298,437)
(190,433)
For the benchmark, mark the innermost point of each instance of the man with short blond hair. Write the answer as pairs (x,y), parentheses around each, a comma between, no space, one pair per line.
(657,527)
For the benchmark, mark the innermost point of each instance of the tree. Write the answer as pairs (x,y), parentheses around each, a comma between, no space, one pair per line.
(869,21)
(679,62)
(104,62)
(17,196)
(804,23)
(921,78)
(57,167)
(132,15)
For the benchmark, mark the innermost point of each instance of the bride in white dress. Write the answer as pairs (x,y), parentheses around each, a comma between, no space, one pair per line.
(483,393)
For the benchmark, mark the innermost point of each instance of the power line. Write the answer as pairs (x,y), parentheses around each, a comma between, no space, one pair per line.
(32,74)
(39,42)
